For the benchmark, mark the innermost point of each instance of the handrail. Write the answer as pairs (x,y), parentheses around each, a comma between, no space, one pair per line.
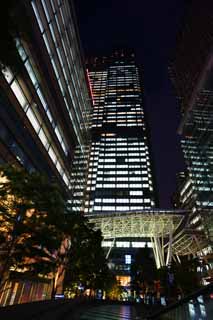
(205,290)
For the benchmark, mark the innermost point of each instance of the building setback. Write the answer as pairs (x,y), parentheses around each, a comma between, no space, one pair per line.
(120,176)
(45,103)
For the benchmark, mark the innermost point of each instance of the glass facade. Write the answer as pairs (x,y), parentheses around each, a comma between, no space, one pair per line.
(197,145)
(47,95)
(192,76)
(56,24)
(198,152)
(120,172)
(79,178)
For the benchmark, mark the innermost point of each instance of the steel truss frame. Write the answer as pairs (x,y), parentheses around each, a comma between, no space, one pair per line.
(158,225)
(189,241)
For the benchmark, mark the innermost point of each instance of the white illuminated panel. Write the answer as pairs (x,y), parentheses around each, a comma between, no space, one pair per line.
(128,259)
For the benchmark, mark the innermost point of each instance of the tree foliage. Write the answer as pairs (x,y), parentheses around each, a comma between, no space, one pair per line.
(143,270)
(87,263)
(114,291)
(35,220)
(186,274)
(31,222)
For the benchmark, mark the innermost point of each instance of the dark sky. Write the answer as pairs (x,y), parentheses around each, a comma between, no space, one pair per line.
(149,28)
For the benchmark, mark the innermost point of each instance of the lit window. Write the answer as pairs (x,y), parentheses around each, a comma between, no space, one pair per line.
(136,200)
(122,208)
(37,17)
(52,154)
(136,185)
(122,244)
(108,208)
(54,67)
(43,138)
(53,6)
(66,180)
(8,75)
(46,41)
(45,10)
(31,73)
(52,33)
(33,120)
(122,200)
(128,259)
(41,97)
(50,118)
(107,243)
(97,207)
(138,244)
(21,50)
(19,94)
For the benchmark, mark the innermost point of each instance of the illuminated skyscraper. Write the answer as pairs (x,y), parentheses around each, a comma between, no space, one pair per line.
(120,174)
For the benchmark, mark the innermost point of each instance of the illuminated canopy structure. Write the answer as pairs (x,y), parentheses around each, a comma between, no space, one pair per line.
(189,241)
(165,228)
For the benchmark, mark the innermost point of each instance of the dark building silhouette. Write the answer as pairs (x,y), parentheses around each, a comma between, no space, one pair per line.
(192,75)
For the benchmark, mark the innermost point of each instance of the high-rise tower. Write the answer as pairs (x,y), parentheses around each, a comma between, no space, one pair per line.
(44,97)
(44,110)
(120,174)
(192,75)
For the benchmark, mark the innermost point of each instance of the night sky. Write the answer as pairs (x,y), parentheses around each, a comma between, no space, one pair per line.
(149,28)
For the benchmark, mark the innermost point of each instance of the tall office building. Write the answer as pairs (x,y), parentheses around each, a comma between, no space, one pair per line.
(120,176)
(45,102)
(198,149)
(179,197)
(192,76)
(44,108)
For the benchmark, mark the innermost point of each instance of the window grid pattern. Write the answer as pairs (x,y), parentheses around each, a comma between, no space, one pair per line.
(28,63)
(198,152)
(119,175)
(57,29)
(30,108)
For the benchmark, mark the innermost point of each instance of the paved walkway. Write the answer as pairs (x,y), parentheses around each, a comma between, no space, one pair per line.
(111,312)
(74,310)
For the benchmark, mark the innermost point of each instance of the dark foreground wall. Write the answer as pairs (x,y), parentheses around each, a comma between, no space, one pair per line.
(59,309)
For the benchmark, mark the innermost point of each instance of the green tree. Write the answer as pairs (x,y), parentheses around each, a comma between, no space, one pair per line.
(87,263)
(31,223)
(162,276)
(181,278)
(143,270)
(114,291)
(186,274)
